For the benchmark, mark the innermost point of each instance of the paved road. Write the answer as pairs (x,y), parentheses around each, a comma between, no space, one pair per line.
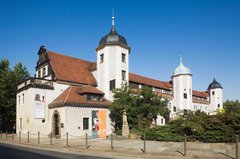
(16,152)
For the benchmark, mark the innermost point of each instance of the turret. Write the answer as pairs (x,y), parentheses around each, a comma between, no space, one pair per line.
(182,87)
(215,91)
(112,62)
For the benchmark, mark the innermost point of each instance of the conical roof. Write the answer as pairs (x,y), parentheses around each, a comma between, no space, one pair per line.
(181,69)
(113,38)
(214,84)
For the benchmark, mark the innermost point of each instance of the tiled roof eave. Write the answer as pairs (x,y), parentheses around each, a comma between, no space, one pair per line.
(72,104)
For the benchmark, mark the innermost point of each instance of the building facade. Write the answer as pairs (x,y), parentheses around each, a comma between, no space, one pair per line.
(72,95)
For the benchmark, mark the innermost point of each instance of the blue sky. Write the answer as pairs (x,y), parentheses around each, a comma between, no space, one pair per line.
(207,32)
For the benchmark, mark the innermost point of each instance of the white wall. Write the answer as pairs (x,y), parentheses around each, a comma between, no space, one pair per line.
(182,84)
(216,99)
(111,68)
(26,110)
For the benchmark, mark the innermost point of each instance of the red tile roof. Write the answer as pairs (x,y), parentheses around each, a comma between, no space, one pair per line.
(200,94)
(72,96)
(71,69)
(149,81)
(89,89)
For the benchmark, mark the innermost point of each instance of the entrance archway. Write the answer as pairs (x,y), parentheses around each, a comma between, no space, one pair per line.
(56,124)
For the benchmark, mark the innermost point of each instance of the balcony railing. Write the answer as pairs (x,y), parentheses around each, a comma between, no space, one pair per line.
(36,82)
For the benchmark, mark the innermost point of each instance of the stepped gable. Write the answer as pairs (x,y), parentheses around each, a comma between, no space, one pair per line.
(73,95)
(149,81)
(72,69)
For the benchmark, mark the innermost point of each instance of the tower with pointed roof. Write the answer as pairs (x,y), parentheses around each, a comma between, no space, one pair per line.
(182,88)
(216,95)
(112,62)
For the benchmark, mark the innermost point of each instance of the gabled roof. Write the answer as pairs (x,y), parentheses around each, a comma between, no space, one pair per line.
(149,81)
(71,69)
(71,96)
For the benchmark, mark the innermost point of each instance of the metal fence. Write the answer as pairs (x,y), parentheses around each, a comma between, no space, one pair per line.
(86,141)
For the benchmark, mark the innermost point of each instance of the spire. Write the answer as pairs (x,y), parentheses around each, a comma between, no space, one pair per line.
(113,17)
(113,22)
(181,63)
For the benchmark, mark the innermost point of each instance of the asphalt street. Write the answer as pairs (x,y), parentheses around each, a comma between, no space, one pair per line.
(17,152)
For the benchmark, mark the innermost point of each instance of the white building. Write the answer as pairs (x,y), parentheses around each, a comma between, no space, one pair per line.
(72,95)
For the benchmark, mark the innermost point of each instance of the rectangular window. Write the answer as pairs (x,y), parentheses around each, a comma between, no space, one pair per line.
(123,57)
(185,95)
(85,123)
(101,58)
(112,85)
(123,75)
(18,99)
(213,93)
(161,121)
(218,105)
(174,109)
(23,98)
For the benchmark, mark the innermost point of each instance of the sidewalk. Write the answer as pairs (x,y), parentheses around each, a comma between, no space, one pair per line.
(128,148)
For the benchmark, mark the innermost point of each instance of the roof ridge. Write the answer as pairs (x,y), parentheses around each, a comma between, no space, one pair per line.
(149,77)
(49,51)
(68,94)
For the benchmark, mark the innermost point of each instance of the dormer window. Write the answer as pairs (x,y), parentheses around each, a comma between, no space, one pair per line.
(93,97)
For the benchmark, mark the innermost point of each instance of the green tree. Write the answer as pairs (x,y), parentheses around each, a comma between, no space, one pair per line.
(10,79)
(142,107)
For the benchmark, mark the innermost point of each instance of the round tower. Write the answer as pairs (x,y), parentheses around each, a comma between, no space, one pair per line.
(112,62)
(216,95)
(182,87)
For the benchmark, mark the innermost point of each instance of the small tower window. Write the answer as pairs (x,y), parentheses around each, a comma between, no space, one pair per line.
(213,93)
(185,95)
(218,105)
(112,85)
(123,75)
(101,58)
(123,57)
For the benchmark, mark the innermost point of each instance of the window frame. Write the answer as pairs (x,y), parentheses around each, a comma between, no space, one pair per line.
(102,58)
(124,57)
(85,125)
(123,75)
(112,85)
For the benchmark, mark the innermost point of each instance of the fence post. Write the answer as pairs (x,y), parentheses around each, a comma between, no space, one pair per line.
(236,146)
(12,135)
(19,136)
(67,139)
(38,137)
(144,143)
(28,136)
(185,144)
(6,134)
(86,140)
(1,134)
(51,138)
(112,141)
